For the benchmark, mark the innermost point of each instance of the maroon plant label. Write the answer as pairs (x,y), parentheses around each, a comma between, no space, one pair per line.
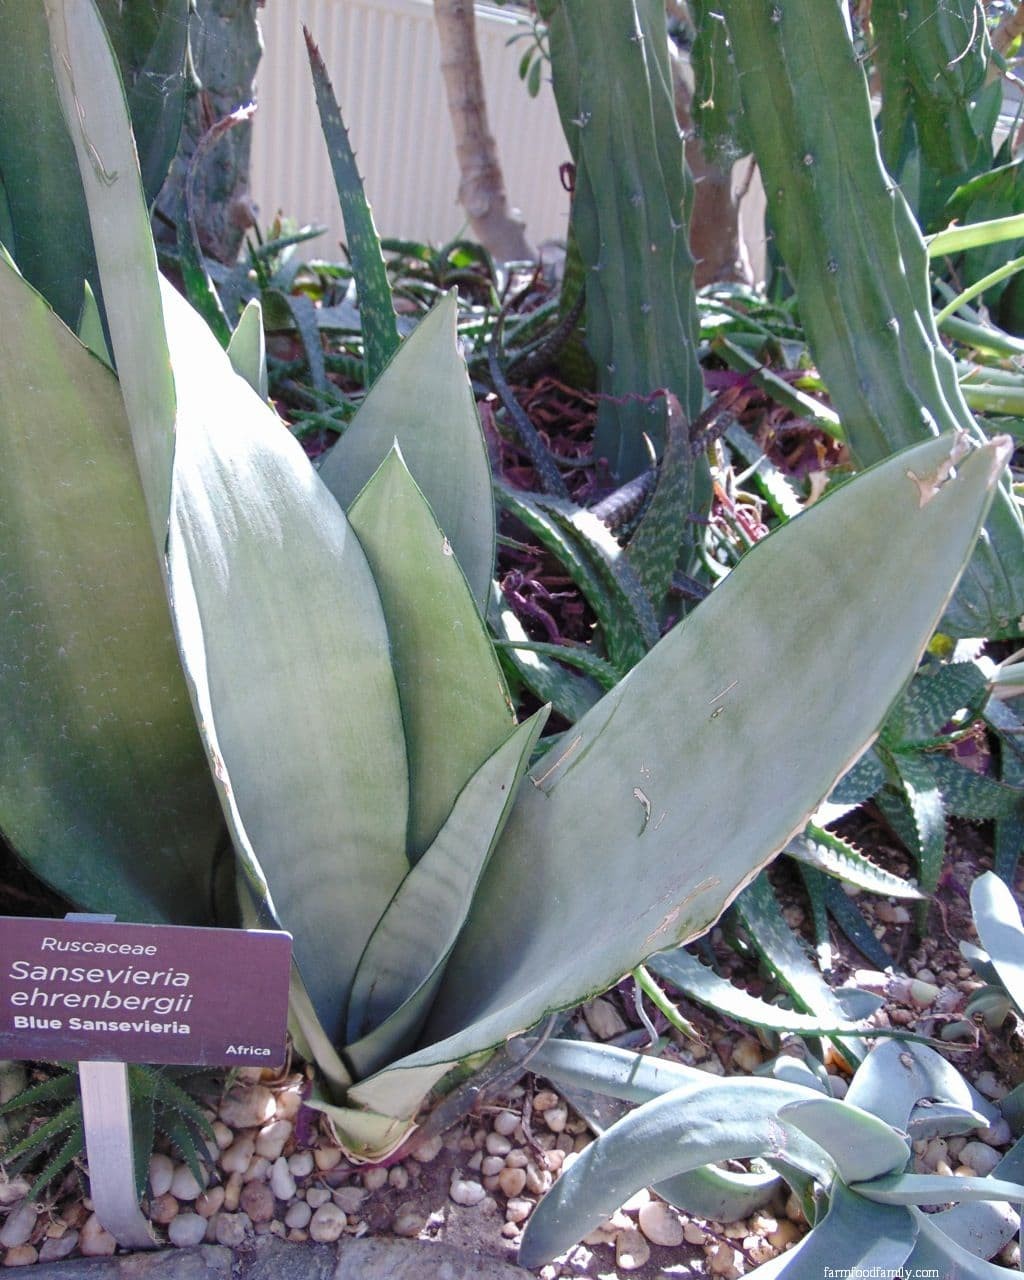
(75,990)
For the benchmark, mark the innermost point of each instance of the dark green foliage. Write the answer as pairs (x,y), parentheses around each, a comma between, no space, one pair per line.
(717,106)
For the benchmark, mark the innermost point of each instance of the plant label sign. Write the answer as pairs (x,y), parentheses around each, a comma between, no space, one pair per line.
(86,991)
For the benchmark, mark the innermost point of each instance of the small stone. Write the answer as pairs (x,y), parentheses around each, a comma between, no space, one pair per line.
(295,1236)
(232,1229)
(660,1225)
(408,1222)
(693,1234)
(282,1184)
(996,1134)
(556,1118)
(22,1255)
(987,1084)
(186,1230)
(19,1226)
(981,1157)
(210,1202)
(316,1196)
(398,1177)
(271,1139)
(95,1241)
(1009,1255)
(301,1164)
(465,1192)
(374,1179)
(631,1250)
(722,1261)
(223,1134)
(759,1251)
(603,1019)
(327,1158)
(512,1181)
(161,1173)
(794,1209)
(837,1086)
(428,1150)
(12,1189)
(517,1158)
(497,1144)
(163,1209)
(350,1199)
(257,1200)
(506,1123)
(475,1162)
(59,1247)
(746,1054)
(944,1168)
(490,1166)
(734,1230)
(232,1190)
(235,1159)
(248,1108)
(518,1209)
(544,1099)
(934,1151)
(327,1224)
(923,993)
(297,1215)
(787,1232)
(184,1185)
(964,1171)
(538,1181)
(258,1170)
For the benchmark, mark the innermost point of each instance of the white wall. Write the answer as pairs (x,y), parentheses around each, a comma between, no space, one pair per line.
(383,59)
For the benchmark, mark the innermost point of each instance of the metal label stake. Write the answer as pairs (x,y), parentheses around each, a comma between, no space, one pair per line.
(107,1121)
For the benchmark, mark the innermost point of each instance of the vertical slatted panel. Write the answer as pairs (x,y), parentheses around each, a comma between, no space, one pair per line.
(384,61)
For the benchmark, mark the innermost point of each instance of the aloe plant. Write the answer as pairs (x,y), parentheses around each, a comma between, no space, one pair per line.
(846,1160)
(377,792)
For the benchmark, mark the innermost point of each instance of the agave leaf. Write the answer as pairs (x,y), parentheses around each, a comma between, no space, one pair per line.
(998,922)
(862,1146)
(455,704)
(401,966)
(896,1076)
(655,547)
(423,399)
(603,1068)
(973,795)
(832,854)
(719,1194)
(247,349)
(701,983)
(104,789)
(924,797)
(933,699)
(936,1253)
(861,782)
(682,1130)
(97,119)
(982,1227)
(686,728)
(934,1189)
(90,327)
(853,924)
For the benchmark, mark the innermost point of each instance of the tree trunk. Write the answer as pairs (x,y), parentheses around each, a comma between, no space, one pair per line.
(715,238)
(481,185)
(226,49)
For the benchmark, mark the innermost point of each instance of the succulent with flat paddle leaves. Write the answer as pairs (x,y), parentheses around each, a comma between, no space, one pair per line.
(846,1160)
(316,639)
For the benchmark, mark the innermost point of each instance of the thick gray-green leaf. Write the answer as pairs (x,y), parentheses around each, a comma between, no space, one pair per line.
(668,796)
(94,107)
(247,349)
(820,848)
(684,1129)
(934,1189)
(862,1146)
(701,983)
(104,788)
(455,704)
(936,1254)
(711,1192)
(283,639)
(997,920)
(424,400)
(401,967)
(896,1076)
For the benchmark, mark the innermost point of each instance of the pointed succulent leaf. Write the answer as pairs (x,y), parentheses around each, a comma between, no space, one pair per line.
(830,853)
(376,309)
(849,918)
(311,765)
(924,796)
(936,1253)
(684,1129)
(942,1120)
(604,1068)
(455,704)
(971,795)
(719,1194)
(998,922)
(1009,834)
(97,120)
(104,788)
(862,1145)
(982,1227)
(654,549)
(701,983)
(934,697)
(934,1189)
(588,806)
(896,1076)
(861,782)
(424,400)
(247,349)
(401,966)
(90,327)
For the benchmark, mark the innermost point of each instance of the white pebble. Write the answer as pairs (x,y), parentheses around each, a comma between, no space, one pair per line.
(297,1215)
(327,1158)
(398,1177)
(210,1202)
(95,1241)
(52,1250)
(161,1173)
(506,1123)
(603,1019)
(271,1139)
(987,1084)
(464,1192)
(186,1230)
(258,1170)
(289,1100)
(327,1224)
(981,1157)
(19,1226)
(428,1150)
(693,1234)
(408,1222)
(232,1229)
(996,1134)
(281,1181)
(248,1108)
(518,1209)
(497,1144)
(631,1250)
(184,1185)
(235,1158)
(349,1199)
(301,1164)
(316,1196)
(22,1255)
(837,1086)
(557,1117)
(374,1179)
(223,1134)
(660,1225)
